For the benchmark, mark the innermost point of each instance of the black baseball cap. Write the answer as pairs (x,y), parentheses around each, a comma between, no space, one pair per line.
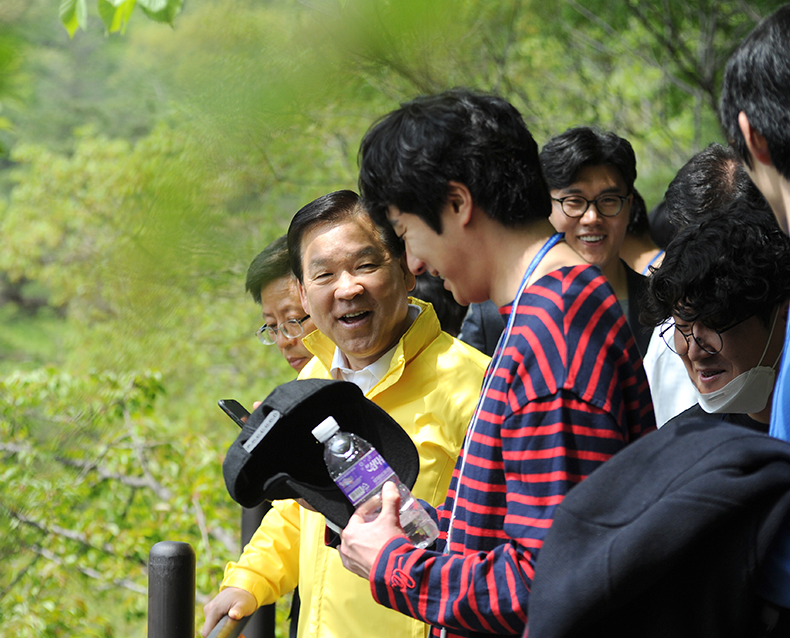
(276,455)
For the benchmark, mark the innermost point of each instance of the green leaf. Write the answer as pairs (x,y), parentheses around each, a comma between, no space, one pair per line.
(106,13)
(115,14)
(154,5)
(73,15)
(162,10)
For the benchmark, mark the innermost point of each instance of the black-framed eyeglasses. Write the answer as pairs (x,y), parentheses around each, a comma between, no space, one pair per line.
(709,340)
(607,205)
(291,329)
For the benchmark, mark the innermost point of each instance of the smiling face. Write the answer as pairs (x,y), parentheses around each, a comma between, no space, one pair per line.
(441,255)
(742,346)
(280,302)
(354,290)
(597,239)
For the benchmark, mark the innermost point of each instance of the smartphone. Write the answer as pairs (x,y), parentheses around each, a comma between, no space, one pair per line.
(234,410)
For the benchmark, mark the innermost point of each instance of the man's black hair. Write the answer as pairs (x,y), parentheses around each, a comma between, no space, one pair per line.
(757,82)
(409,156)
(638,222)
(564,155)
(331,208)
(722,270)
(707,184)
(451,314)
(269,265)
(661,229)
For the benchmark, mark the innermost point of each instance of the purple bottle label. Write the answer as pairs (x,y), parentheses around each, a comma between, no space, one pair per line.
(366,476)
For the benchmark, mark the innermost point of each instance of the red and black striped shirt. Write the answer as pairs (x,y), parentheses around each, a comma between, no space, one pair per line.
(568,392)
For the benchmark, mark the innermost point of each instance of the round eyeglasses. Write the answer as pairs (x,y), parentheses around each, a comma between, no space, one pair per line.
(709,340)
(606,205)
(292,329)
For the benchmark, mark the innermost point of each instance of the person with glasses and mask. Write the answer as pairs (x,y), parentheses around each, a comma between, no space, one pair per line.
(591,177)
(724,288)
(677,530)
(273,286)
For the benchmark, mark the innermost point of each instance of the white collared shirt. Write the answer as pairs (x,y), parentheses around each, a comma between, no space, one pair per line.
(369,376)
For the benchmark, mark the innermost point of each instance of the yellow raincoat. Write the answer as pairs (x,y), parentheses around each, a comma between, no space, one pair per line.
(431,390)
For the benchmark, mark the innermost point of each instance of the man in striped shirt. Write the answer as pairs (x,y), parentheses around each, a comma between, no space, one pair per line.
(458,177)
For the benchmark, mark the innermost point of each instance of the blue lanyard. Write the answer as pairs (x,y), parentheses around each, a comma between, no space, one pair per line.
(550,243)
(646,271)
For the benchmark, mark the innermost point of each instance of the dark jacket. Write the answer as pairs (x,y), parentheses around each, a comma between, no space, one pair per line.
(665,539)
(482,327)
(696,412)
(637,287)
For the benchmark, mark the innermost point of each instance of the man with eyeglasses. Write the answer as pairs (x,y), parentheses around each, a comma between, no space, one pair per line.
(274,287)
(591,177)
(705,186)
(353,281)
(724,285)
(673,531)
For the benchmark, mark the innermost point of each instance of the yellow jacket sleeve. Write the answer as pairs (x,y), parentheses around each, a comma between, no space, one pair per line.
(269,565)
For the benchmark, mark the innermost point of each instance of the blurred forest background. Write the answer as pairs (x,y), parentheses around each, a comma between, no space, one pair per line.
(140,173)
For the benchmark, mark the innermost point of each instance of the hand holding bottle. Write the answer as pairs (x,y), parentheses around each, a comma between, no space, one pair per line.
(360,472)
(361,541)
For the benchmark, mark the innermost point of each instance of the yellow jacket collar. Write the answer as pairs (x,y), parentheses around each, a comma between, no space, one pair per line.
(419,335)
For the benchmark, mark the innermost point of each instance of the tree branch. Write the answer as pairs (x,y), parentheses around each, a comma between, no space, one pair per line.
(19,576)
(201,521)
(229,542)
(87,571)
(162,492)
(57,530)
(681,84)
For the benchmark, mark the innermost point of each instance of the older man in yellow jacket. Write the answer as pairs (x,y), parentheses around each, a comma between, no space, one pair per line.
(354,283)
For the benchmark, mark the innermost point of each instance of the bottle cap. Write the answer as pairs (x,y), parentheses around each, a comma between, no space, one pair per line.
(324,430)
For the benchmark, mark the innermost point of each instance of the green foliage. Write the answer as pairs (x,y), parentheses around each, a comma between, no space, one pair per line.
(11,77)
(115,14)
(146,172)
(83,457)
(161,10)
(134,243)
(73,15)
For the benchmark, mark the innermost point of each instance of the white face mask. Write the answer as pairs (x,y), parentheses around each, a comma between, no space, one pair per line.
(747,393)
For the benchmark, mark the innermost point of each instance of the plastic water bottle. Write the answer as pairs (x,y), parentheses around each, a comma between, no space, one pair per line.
(360,472)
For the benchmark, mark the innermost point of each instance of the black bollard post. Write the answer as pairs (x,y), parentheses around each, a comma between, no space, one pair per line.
(171,590)
(261,625)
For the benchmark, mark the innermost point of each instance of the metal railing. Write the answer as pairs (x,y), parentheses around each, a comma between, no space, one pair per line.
(228,628)
(171,591)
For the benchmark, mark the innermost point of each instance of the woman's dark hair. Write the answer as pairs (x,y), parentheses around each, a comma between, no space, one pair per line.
(409,156)
(723,270)
(451,314)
